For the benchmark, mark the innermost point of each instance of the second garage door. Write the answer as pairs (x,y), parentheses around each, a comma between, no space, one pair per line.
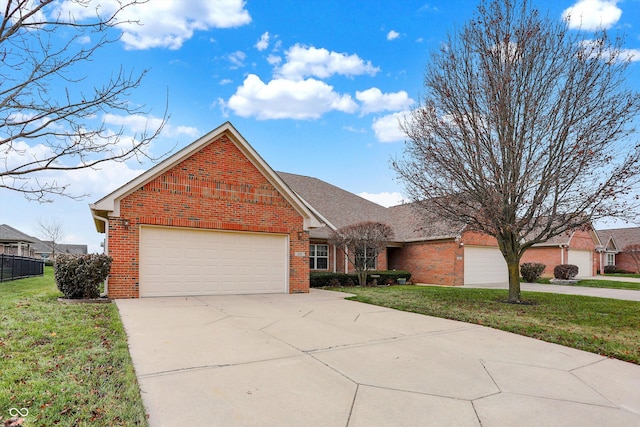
(178,261)
(584,261)
(484,265)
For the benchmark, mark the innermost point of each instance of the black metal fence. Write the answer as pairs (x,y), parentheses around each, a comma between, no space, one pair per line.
(14,267)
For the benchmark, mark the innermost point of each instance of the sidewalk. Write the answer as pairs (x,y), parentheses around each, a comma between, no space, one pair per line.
(623,294)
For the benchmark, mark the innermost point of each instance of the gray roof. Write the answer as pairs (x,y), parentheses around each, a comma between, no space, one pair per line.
(621,236)
(412,223)
(10,234)
(334,205)
(340,208)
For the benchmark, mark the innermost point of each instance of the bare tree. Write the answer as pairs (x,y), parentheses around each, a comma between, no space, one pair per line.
(633,250)
(52,232)
(524,131)
(46,99)
(362,243)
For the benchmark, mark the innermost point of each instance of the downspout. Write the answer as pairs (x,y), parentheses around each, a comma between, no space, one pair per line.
(561,254)
(106,245)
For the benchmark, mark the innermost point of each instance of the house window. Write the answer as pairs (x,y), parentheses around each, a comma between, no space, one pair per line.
(611,259)
(318,257)
(372,263)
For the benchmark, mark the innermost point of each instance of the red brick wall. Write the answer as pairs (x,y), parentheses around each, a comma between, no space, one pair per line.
(216,188)
(549,256)
(625,262)
(436,263)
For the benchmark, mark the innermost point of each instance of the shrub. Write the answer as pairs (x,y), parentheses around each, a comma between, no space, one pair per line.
(565,271)
(324,279)
(531,271)
(613,269)
(80,276)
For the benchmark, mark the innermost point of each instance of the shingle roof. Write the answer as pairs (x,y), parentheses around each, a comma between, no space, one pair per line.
(341,208)
(10,234)
(412,224)
(621,236)
(337,206)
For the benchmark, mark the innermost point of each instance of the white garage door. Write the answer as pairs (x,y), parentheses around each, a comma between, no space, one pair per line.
(484,265)
(179,261)
(584,261)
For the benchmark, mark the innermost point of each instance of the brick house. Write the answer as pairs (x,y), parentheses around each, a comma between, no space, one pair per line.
(614,244)
(434,250)
(214,218)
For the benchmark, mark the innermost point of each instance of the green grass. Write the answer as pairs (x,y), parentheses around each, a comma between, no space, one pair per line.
(67,364)
(609,284)
(598,325)
(635,275)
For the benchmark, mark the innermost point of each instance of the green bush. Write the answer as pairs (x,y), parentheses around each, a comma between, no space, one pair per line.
(612,269)
(531,271)
(565,271)
(324,279)
(80,276)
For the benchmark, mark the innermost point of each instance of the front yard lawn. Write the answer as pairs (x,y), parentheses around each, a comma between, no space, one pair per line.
(66,364)
(598,325)
(609,284)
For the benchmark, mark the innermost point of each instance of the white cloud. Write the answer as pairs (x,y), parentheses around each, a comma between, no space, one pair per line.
(237,59)
(373,100)
(97,182)
(302,61)
(137,123)
(592,14)
(287,99)
(224,82)
(387,128)
(274,59)
(385,199)
(263,43)
(592,49)
(392,35)
(165,24)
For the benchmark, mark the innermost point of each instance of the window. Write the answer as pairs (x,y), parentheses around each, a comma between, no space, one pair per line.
(318,257)
(372,263)
(611,259)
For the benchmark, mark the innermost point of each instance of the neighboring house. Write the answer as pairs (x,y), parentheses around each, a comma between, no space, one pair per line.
(214,218)
(434,250)
(15,242)
(44,249)
(614,241)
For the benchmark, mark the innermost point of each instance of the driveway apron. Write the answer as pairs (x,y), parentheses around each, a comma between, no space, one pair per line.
(319,360)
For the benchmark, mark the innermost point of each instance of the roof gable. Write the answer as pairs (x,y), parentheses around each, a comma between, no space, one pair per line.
(109,205)
(620,237)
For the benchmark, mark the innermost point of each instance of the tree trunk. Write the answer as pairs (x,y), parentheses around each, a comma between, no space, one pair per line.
(508,243)
(362,278)
(513,267)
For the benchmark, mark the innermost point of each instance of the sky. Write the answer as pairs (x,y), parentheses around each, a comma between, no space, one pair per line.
(315,86)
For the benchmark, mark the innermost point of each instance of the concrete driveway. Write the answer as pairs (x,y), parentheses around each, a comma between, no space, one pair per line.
(319,360)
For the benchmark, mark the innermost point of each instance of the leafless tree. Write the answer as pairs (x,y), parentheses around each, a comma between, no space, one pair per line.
(47,98)
(525,130)
(362,243)
(51,232)
(633,250)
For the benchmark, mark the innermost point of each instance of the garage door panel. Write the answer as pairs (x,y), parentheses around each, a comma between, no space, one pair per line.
(584,261)
(177,261)
(484,265)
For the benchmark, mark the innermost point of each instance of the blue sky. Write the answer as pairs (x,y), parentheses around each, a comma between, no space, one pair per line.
(315,86)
